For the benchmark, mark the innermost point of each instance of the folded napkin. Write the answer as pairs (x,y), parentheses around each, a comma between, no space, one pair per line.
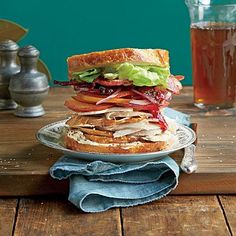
(97,186)
(179,117)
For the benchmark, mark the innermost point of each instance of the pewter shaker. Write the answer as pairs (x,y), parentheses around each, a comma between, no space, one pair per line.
(8,67)
(29,87)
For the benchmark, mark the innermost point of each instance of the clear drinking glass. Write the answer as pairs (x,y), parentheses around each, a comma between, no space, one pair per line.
(213,40)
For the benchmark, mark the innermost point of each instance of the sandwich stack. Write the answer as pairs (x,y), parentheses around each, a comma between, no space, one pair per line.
(119,100)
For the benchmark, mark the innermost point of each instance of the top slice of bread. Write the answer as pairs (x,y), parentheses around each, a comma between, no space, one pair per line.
(157,57)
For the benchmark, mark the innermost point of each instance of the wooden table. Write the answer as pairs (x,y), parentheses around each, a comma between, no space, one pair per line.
(27,209)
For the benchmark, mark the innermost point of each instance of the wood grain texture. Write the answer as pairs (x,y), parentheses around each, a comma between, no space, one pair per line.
(229,207)
(7,216)
(58,217)
(176,215)
(28,159)
(206,183)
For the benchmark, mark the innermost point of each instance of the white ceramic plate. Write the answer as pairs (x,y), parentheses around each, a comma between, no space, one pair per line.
(50,136)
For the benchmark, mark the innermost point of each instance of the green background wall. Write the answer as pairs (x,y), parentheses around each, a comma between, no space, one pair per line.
(63,28)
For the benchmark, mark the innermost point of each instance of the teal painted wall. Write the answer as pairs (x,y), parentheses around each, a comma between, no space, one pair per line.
(63,28)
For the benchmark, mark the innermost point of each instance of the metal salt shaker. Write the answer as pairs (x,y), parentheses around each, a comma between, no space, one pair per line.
(8,67)
(29,87)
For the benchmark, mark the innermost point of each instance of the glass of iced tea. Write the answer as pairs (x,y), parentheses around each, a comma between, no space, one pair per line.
(213,40)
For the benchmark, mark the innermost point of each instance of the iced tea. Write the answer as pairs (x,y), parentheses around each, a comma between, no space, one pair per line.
(214,64)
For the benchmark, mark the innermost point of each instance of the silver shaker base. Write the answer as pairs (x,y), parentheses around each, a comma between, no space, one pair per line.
(7,104)
(34,111)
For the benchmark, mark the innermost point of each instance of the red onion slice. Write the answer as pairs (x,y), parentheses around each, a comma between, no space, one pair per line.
(149,98)
(113,95)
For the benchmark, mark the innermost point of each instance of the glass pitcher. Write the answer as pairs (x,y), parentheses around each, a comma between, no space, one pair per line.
(213,41)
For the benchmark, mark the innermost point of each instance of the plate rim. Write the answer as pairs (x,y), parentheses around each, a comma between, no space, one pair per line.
(162,152)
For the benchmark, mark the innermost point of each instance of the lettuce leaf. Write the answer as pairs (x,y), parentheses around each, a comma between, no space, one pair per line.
(163,72)
(110,75)
(144,75)
(87,76)
(138,74)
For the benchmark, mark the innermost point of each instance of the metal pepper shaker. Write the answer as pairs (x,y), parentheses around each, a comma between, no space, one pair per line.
(8,67)
(29,87)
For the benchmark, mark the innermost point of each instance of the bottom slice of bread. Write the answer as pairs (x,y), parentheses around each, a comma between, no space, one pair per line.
(138,147)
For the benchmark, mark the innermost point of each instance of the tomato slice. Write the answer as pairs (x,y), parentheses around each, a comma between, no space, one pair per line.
(94,99)
(82,97)
(179,77)
(78,106)
(115,82)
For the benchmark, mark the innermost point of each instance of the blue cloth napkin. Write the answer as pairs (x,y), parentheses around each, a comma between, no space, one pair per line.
(97,186)
(179,117)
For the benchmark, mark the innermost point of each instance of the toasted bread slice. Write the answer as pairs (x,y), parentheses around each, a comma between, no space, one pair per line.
(137,147)
(157,57)
(102,139)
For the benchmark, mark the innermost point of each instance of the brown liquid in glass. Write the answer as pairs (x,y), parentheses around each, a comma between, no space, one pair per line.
(214,64)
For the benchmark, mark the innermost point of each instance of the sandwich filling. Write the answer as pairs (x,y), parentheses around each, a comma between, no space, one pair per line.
(138,75)
(120,107)
(87,130)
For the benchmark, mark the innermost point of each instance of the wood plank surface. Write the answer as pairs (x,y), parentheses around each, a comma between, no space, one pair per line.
(58,217)
(229,207)
(7,216)
(176,215)
(22,157)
